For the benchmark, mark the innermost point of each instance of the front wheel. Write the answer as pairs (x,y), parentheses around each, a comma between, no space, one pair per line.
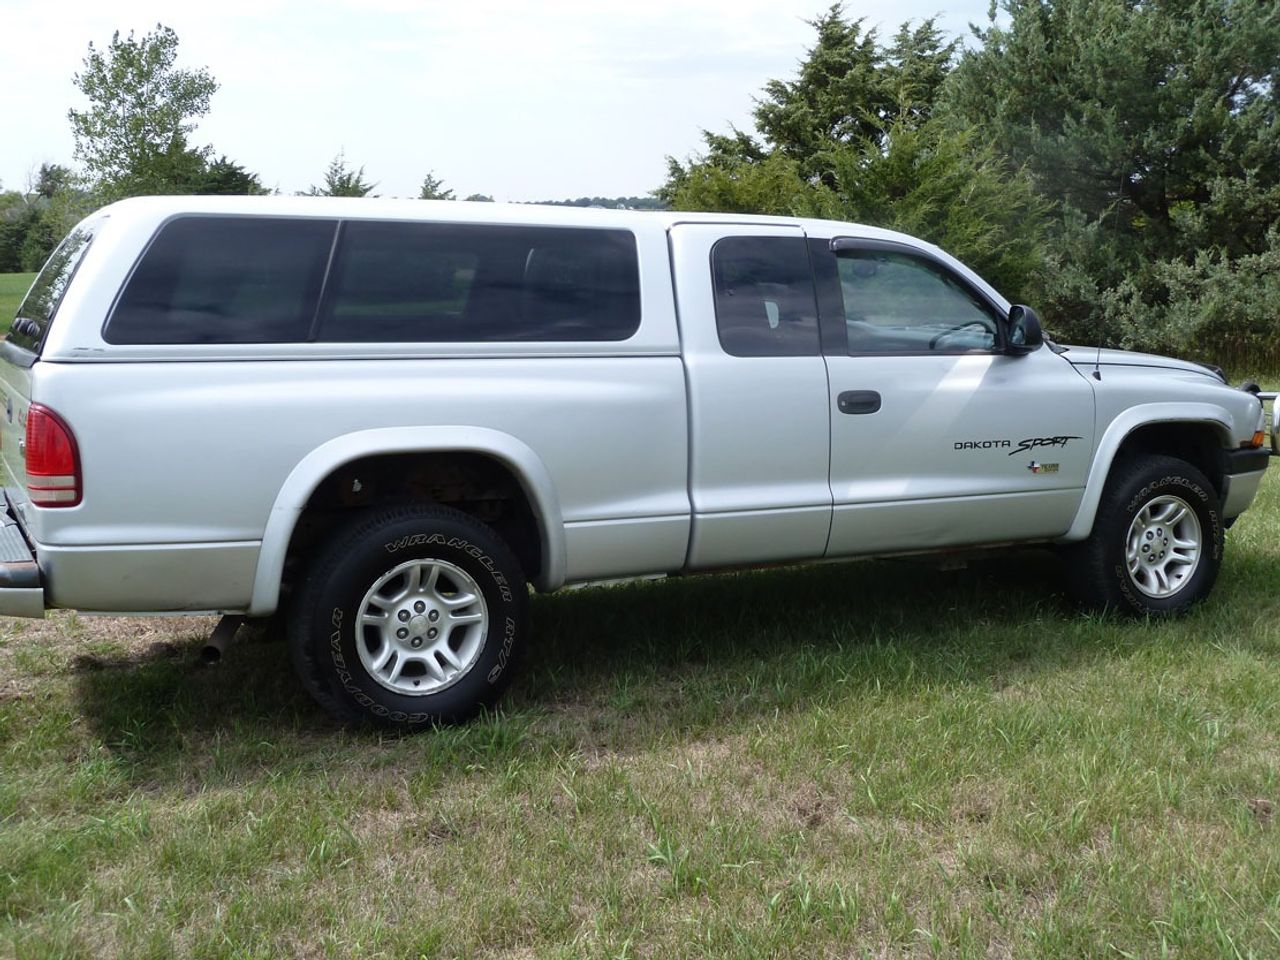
(411,616)
(1156,545)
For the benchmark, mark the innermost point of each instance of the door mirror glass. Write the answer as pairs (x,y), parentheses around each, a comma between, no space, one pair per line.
(1023,333)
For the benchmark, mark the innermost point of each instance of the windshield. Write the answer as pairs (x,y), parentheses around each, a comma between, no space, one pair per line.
(35,314)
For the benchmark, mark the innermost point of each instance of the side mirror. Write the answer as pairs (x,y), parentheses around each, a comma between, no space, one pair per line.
(1022,331)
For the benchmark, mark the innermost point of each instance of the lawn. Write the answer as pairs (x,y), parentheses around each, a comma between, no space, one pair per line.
(13,287)
(873,759)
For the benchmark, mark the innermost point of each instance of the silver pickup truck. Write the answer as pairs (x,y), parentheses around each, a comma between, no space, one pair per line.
(387,419)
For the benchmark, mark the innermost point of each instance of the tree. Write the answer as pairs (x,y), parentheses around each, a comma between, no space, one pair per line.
(341,181)
(133,137)
(855,137)
(33,222)
(51,179)
(222,176)
(609,203)
(480,198)
(433,189)
(849,90)
(16,220)
(1161,118)
(1154,128)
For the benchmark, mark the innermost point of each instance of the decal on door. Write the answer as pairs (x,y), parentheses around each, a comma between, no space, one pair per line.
(1036,467)
(1034,442)
(1031,443)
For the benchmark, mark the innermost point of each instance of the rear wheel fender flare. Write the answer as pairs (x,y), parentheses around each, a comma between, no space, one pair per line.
(312,469)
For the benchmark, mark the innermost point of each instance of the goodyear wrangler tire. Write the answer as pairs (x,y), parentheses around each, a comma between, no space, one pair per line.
(411,616)
(1156,545)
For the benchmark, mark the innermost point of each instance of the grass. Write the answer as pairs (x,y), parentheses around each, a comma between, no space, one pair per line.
(875,759)
(13,287)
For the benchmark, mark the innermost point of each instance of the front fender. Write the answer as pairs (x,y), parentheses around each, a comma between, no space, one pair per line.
(1114,436)
(322,461)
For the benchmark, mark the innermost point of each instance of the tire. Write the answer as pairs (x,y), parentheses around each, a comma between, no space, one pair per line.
(410,616)
(1156,545)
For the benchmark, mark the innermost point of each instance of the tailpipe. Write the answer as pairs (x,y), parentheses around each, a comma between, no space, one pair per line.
(223,636)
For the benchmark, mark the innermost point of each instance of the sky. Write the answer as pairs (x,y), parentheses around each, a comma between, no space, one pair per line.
(520,101)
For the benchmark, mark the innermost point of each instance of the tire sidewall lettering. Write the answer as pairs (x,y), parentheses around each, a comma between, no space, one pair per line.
(504,654)
(454,543)
(353,689)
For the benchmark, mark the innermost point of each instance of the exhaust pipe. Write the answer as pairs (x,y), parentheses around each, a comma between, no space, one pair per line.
(222,637)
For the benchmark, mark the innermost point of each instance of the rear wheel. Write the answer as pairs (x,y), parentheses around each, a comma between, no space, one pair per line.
(1156,545)
(412,616)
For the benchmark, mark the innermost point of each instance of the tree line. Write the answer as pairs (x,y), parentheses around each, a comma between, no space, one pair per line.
(134,138)
(1115,163)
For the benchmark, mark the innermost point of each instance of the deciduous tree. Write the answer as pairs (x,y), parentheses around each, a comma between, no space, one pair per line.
(133,136)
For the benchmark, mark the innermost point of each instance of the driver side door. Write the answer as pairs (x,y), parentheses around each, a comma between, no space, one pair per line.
(938,437)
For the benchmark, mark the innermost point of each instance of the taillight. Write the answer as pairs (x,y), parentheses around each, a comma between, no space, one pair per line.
(53,461)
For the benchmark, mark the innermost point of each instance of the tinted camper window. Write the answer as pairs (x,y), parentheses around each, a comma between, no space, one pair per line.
(225,280)
(443,283)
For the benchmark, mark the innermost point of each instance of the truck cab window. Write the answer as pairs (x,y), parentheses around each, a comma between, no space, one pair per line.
(897,303)
(765,304)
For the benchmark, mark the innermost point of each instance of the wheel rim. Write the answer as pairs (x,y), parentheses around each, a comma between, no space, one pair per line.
(1164,545)
(421,627)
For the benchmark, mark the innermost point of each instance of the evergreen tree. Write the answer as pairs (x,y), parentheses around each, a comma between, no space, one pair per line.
(433,189)
(341,181)
(222,176)
(854,137)
(1154,129)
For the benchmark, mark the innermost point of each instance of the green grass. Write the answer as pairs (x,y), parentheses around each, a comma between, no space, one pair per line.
(13,287)
(875,759)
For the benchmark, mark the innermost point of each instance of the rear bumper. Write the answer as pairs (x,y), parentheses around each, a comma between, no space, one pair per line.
(1244,475)
(21,583)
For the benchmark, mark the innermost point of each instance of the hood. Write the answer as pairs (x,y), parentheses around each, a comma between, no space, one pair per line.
(1086,357)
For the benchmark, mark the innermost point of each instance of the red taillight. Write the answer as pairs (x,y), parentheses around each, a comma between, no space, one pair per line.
(53,461)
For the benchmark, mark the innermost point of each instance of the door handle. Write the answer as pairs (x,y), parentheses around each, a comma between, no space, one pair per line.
(858,401)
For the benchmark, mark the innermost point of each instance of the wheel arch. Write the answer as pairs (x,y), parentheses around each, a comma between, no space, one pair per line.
(1197,433)
(512,455)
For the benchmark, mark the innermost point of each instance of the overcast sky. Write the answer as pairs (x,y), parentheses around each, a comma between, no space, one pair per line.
(524,101)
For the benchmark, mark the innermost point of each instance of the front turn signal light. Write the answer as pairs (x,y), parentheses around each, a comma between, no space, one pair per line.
(1258,440)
